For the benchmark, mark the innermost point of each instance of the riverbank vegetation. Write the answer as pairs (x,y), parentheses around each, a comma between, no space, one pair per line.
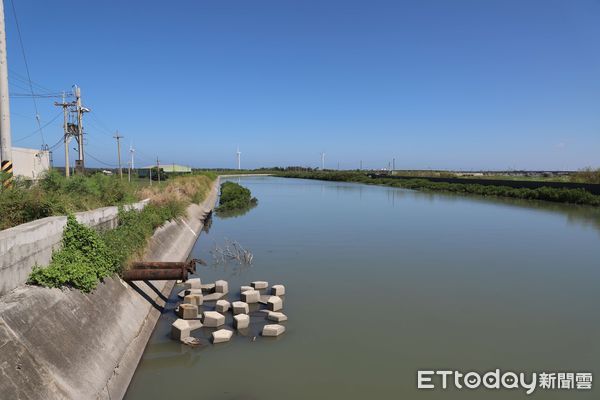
(560,195)
(235,197)
(56,195)
(88,256)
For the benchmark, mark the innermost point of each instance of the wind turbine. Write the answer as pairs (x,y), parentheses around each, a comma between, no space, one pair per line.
(131,164)
(239,153)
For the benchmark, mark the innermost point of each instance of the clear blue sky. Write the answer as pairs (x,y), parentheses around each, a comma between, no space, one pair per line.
(452,84)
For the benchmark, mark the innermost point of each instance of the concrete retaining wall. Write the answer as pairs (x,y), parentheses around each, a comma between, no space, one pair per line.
(26,245)
(64,344)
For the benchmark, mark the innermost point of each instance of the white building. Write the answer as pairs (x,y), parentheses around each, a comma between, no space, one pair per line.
(30,163)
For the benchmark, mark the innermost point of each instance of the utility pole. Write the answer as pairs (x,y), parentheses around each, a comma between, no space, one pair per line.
(67,131)
(394,164)
(239,162)
(119,137)
(158,169)
(5,135)
(80,162)
(131,163)
(322,161)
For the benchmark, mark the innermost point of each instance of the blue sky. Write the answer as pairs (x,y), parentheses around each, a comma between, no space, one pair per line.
(448,84)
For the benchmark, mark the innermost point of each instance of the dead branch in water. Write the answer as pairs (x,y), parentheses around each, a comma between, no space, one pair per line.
(231,251)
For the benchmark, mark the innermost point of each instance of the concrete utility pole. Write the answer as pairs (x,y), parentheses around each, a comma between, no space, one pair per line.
(80,162)
(119,137)
(66,131)
(322,161)
(5,135)
(131,163)
(158,169)
(239,161)
(393,164)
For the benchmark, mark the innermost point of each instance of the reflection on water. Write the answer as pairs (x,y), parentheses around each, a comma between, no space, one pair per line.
(382,282)
(237,212)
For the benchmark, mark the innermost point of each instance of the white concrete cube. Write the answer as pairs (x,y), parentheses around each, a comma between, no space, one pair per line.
(194,283)
(274,303)
(241,321)
(221,286)
(195,299)
(239,307)
(245,288)
(222,306)
(277,290)
(181,328)
(251,296)
(260,285)
(273,330)
(222,335)
(213,319)
(276,316)
(185,292)
(187,311)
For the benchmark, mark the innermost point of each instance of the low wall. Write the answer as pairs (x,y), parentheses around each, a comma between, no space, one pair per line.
(26,245)
(65,344)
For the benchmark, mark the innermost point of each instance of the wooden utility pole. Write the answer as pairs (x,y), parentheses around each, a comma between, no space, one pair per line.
(5,134)
(119,137)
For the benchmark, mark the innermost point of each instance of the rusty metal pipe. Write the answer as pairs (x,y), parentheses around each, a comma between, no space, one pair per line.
(153,274)
(190,265)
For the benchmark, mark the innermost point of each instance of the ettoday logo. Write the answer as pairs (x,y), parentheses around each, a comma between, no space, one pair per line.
(496,380)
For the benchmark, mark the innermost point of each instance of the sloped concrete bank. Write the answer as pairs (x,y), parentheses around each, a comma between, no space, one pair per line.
(64,344)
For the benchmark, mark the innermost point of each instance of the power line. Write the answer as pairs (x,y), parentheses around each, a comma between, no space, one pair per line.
(98,160)
(37,130)
(37,115)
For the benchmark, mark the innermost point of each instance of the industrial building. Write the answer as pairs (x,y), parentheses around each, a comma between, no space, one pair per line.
(30,163)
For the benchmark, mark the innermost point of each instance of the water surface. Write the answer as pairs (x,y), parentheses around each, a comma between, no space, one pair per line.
(382,282)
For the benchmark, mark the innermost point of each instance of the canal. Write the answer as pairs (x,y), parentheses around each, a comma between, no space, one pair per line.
(382,282)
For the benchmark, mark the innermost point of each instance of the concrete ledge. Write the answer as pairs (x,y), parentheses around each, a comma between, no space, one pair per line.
(64,344)
(24,246)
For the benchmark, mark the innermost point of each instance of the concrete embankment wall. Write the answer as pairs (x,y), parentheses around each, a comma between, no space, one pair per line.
(64,344)
(26,245)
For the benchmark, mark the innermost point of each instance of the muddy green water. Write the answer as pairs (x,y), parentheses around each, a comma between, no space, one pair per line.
(382,282)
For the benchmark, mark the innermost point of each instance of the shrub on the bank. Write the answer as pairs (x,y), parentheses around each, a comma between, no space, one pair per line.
(560,195)
(235,197)
(87,257)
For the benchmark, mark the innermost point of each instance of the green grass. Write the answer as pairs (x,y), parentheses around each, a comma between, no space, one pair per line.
(559,195)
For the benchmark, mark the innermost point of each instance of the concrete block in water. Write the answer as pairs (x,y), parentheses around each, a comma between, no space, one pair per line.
(181,328)
(222,335)
(273,330)
(274,303)
(276,316)
(195,299)
(193,283)
(213,296)
(245,288)
(187,311)
(260,285)
(222,306)
(251,296)
(185,292)
(277,290)
(221,286)
(239,307)
(241,321)
(208,287)
(213,319)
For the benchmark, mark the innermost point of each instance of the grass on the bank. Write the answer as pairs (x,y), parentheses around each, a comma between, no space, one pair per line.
(235,197)
(88,256)
(560,195)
